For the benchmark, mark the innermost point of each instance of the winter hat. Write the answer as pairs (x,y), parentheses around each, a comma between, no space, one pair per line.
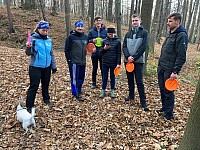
(43,25)
(111,29)
(79,24)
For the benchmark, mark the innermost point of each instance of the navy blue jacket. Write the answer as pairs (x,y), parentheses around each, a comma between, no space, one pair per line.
(93,33)
(75,48)
(173,52)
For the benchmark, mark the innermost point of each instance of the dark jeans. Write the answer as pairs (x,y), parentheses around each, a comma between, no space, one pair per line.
(95,61)
(36,74)
(77,76)
(136,74)
(167,97)
(106,69)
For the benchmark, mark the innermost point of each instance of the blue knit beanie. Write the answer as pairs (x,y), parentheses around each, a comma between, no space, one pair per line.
(79,24)
(43,25)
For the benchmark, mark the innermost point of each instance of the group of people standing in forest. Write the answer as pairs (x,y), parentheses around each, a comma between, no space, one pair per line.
(108,55)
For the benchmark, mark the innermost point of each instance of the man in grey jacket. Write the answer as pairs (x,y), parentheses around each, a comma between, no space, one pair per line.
(134,46)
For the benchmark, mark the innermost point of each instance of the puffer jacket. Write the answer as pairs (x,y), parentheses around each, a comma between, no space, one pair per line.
(41,52)
(75,48)
(93,33)
(173,52)
(111,56)
(135,44)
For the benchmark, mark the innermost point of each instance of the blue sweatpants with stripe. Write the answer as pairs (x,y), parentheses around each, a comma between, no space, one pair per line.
(77,76)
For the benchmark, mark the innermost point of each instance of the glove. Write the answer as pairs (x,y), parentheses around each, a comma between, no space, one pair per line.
(54,70)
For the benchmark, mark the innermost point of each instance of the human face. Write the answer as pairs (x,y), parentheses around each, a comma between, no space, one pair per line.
(79,29)
(43,31)
(110,35)
(98,23)
(136,22)
(172,24)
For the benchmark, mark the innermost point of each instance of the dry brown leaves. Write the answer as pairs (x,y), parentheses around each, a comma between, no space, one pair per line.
(94,124)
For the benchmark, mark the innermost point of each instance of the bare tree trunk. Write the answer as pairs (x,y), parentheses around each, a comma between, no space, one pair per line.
(160,23)
(167,9)
(191,31)
(185,11)
(131,13)
(83,8)
(147,6)
(54,13)
(139,6)
(191,11)
(110,6)
(154,25)
(191,135)
(119,19)
(67,17)
(197,38)
(42,9)
(10,20)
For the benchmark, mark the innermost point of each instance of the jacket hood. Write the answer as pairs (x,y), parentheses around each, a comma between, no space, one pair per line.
(181,29)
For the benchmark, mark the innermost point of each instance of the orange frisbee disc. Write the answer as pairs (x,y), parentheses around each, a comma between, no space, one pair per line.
(129,66)
(117,71)
(171,85)
(90,47)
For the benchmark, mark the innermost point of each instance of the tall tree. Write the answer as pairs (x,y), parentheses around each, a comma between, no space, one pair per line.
(42,7)
(191,10)
(91,13)
(119,19)
(110,6)
(67,16)
(185,11)
(83,8)
(147,6)
(191,31)
(54,8)
(190,140)
(10,19)
(131,13)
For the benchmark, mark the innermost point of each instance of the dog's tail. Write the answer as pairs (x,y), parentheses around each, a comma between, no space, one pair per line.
(33,111)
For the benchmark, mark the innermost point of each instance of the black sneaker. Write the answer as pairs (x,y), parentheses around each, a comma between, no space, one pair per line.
(47,102)
(160,111)
(168,117)
(128,98)
(79,98)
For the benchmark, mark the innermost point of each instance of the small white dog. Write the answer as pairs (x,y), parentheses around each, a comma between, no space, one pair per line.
(25,117)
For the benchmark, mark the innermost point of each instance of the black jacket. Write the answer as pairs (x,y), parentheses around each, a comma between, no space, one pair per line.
(173,52)
(75,51)
(111,56)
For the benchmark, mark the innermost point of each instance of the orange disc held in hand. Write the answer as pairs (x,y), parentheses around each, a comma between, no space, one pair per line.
(129,66)
(90,47)
(171,85)
(117,71)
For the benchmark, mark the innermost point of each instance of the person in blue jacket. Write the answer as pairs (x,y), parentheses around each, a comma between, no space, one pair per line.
(42,62)
(172,58)
(75,53)
(98,31)
(111,58)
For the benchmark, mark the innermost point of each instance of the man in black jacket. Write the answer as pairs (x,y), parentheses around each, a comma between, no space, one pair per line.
(75,53)
(172,58)
(134,46)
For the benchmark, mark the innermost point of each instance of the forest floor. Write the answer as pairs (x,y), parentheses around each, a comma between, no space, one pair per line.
(96,123)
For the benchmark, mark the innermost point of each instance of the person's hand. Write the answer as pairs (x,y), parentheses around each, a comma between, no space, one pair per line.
(130,59)
(28,44)
(54,70)
(106,47)
(173,76)
(94,50)
(95,41)
(118,66)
